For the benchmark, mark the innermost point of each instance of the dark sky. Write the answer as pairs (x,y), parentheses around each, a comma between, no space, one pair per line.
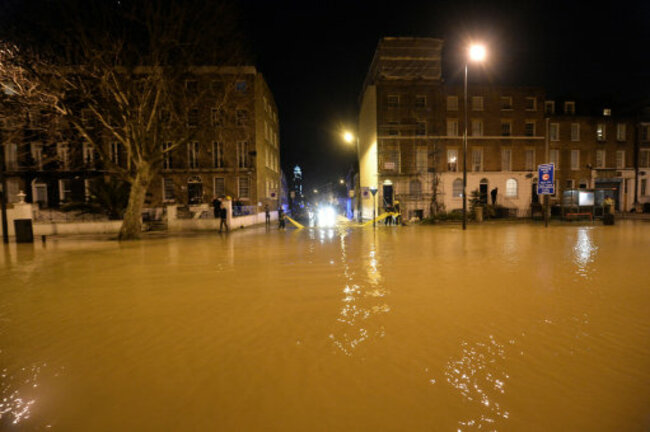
(315,55)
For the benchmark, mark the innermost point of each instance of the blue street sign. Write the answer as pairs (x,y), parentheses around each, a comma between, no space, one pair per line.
(545,179)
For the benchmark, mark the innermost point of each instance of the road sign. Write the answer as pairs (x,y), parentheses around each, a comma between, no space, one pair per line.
(546,179)
(373,191)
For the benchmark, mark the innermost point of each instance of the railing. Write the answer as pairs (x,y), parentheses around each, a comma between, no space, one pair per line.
(243,210)
(58,216)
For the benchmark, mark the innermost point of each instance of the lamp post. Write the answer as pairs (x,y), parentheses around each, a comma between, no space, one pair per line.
(373,191)
(350,138)
(477,54)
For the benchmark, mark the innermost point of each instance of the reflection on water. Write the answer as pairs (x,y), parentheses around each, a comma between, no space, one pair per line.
(511,327)
(362,298)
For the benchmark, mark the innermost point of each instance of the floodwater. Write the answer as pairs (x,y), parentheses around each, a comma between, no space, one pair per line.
(502,327)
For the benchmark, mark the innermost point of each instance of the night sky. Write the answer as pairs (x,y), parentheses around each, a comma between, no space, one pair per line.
(315,55)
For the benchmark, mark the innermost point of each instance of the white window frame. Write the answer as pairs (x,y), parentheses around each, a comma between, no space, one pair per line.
(530,122)
(239,188)
(11,156)
(621,132)
(620,159)
(550,104)
(601,132)
(452,153)
(114,152)
(512,191)
(569,107)
(554,158)
(529,165)
(63,154)
(452,103)
(554,136)
(575,159)
(644,158)
(601,159)
(507,122)
(62,190)
(214,185)
(420,98)
(479,123)
(506,162)
(242,155)
(88,151)
(479,151)
(506,103)
(36,150)
(452,126)
(477,103)
(457,191)
(167,155)
(534,99)
(575,131)
(164,190)
(193,155)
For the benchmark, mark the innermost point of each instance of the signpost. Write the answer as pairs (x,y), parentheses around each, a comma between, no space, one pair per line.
(373,191)
(546,185)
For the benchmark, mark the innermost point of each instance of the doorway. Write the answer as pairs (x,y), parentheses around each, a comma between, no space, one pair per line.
(483,191)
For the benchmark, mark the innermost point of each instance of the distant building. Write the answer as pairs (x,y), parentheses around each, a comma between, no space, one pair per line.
(411,139)
(235,151)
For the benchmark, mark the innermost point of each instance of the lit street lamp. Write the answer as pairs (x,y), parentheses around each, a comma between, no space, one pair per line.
(476,53)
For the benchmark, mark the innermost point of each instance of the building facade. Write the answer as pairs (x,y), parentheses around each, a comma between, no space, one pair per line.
(411,126)
(234,151)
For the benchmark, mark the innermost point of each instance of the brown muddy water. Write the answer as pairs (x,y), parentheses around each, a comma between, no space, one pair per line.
(501,327)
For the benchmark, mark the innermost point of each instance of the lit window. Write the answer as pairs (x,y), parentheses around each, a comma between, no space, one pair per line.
(511,188)
(555,132)
(600,132)
(452,160)
(457,189)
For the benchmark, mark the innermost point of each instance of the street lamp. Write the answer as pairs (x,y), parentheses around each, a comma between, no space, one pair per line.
(476,53)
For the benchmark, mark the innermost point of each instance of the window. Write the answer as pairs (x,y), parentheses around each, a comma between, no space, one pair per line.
(391,160)
(506,127)
(620,159)
(242,117)
(549,107)
(555,132)
(570,183)
(415,187)
(600,158)
(511,188)
(217,116)
(506,103)
(569,107)
(621,132)
(421,129)
(242,154)
(477,159)
(168,189)
(193,117)
(243,188)
(644,158)
(457,189)
(217,154)
(477,103)
(554,156)
(11,156)
(241,86)
(529,159)
(575,131)
(600,132)
(192,86)
(529,128)
(65,190)
(392,101)
(452,127)
(219,186)
(644,187)
(452,103)
(645,132)
(193,155)
(422,159)
(583,184)
(575,159)
(167,155)
(531,104)
(88,154)
(63,155)
(36,150)
(452,159)
(506,159)
(420,101)
(607,112)
(477,128)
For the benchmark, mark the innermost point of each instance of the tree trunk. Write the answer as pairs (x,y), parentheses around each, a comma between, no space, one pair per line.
(132,223)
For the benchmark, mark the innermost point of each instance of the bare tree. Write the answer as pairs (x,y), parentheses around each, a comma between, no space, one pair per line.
(119,76)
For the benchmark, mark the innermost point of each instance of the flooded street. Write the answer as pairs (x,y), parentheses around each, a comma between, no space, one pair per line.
(503,327)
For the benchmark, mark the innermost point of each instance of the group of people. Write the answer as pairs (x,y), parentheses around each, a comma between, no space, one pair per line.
(221,211)
(394,208)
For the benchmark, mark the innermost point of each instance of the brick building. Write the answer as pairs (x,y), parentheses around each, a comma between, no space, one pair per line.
(234,150)
(411,138)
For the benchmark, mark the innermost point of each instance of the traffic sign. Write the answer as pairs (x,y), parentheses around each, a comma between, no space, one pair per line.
(546,179)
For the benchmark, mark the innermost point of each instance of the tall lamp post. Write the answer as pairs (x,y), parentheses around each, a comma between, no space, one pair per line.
(350,138)
(476,53)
